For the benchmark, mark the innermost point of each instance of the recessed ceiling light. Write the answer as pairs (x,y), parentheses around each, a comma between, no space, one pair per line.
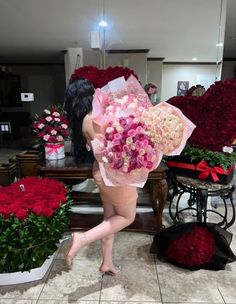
(194,59)
(102,23)
(219,44)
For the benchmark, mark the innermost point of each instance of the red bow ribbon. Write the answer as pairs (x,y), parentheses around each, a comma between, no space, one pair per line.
(206,170)
(53,148)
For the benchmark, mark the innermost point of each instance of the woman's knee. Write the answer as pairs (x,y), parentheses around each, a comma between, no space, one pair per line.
(108,238)
(131,218)
(127,211)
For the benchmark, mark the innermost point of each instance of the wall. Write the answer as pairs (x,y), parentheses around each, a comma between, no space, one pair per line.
(229,69)
(135,61)
(154,74)
(47,82)
(172,73)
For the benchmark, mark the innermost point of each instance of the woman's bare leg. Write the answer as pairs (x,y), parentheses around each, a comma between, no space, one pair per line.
(107,244)
(124,215)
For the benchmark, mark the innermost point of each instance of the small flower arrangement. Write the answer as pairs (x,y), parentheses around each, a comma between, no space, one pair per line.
(33,216)
(52,126)
(150,88)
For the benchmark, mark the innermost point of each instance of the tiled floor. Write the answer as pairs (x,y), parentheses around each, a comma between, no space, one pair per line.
(142,279)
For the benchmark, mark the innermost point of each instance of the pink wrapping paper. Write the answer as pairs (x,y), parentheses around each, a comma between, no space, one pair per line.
(118,100)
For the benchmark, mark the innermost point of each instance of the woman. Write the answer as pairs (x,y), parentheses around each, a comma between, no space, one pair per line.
(119,203)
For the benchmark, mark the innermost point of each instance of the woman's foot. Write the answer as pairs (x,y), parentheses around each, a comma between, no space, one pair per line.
(78,242)
(109,269)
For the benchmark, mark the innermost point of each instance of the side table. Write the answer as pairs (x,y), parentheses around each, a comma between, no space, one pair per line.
(199,191)
(67,171)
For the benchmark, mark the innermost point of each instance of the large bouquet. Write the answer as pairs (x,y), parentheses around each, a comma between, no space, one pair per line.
(134,135)
(33,217)
(52,126)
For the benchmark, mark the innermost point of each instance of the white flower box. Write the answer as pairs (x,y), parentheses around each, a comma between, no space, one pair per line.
(54,151)
(26,276)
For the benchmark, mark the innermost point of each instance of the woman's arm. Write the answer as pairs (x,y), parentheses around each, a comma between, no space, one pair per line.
(88,129)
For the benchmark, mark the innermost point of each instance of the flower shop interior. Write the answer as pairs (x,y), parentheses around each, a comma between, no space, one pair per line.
(181,247)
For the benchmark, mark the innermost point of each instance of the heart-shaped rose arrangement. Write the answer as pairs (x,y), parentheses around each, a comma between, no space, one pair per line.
(213,113)
(100,77)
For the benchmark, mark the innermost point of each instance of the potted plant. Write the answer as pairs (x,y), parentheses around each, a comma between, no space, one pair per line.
(33,216)
(52,128)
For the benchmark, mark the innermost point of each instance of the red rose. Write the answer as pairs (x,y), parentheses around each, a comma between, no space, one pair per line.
(48,212)
(21,214)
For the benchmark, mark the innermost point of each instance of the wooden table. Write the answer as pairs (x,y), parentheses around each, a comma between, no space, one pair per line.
(67,171)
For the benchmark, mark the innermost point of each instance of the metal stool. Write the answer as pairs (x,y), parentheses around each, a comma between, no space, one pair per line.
(199,191)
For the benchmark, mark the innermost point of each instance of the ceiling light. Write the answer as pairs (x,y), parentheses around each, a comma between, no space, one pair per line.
(194,59)
(102,23)
(219,44)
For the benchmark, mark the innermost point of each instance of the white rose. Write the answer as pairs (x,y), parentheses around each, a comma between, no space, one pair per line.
(227,149)
(47,111)
(49,118)
(59,138)
(56,114)
(46,137)
(64,126)
(104,159)
(41,126)
(109,130)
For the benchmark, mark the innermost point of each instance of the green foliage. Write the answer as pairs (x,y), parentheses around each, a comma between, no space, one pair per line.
(213,159)
(25,245)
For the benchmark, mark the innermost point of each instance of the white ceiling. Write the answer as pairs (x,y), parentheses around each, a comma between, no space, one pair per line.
(177,30)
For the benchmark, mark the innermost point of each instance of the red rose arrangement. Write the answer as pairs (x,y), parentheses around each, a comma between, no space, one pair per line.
(52,126)
(193,248)
(32,195)
(33,217)
(214,115)
(100,77)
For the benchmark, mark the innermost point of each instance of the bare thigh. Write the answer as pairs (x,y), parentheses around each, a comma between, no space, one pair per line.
(108,210)
(127,210)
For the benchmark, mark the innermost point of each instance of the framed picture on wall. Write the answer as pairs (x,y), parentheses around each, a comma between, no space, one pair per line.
(182,87)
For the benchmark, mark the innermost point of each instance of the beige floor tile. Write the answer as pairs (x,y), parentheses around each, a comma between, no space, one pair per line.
(91,252)
(137,281)
(15,301)
(132,246)
(24,291)
(82,282)
(227,283)
(180,285)
(65,302)
(127,302)
(229,293)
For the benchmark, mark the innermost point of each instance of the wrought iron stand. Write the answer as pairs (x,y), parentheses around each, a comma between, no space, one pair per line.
(198,195)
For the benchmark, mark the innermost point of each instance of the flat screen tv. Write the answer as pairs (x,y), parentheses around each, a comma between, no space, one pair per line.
(10,89)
